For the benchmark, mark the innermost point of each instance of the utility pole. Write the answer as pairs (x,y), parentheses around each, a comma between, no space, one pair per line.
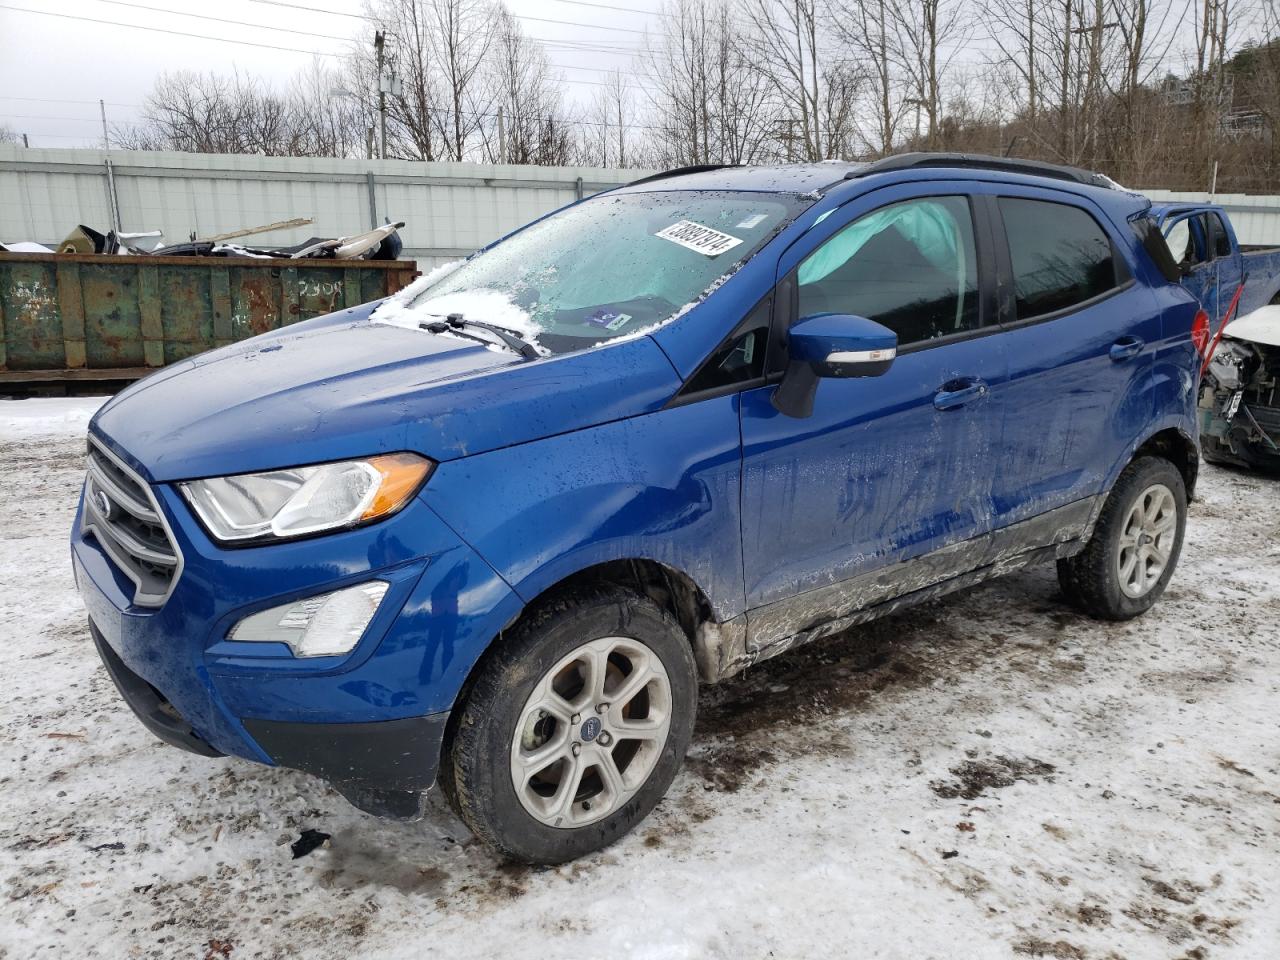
(379,42)
(24,141)
(502,137)
(106,141)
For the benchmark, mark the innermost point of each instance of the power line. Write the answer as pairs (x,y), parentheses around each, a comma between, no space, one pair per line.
(247,43)
(609,6)
(176,33)
(38,116)
(518,16)
(236,23)
(263,26)
(310,9)
(110,103)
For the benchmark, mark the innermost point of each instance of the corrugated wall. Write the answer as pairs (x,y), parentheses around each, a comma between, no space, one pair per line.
(450,208)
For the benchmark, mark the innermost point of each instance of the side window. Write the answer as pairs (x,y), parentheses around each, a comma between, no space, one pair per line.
(1182,244)
(1061,255)
(741,357)
(911,266)
(1157,247)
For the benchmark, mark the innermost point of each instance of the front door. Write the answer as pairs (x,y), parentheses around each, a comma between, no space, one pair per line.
(889,468)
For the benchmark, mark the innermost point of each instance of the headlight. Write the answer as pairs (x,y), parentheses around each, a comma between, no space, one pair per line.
(302,500)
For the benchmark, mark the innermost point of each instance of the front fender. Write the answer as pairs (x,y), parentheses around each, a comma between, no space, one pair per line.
(661,487)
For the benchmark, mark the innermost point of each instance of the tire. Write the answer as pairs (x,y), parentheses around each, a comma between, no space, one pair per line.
(1099,580)
(527,705)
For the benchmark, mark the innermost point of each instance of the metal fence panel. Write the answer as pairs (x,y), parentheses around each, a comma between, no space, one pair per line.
(450,209)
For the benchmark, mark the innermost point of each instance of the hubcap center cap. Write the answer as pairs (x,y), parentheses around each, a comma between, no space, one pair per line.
(591,729)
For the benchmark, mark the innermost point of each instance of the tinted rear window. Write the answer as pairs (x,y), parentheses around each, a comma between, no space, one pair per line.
(1061,255)
(1157,247)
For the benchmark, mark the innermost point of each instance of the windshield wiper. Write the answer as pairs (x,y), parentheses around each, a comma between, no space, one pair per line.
(454,323)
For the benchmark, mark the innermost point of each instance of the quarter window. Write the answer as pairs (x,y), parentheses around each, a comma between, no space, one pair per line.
(1061,255)
(910,266)
(741,357)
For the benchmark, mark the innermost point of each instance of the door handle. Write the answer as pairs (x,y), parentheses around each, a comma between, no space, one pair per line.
(1126,347)
(956,393)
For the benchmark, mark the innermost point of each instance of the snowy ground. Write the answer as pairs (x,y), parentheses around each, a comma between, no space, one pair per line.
(986,776)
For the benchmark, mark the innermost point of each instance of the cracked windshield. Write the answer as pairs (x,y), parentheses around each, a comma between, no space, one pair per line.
(611,267)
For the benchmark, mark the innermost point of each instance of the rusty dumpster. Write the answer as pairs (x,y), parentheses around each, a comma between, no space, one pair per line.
(70,317)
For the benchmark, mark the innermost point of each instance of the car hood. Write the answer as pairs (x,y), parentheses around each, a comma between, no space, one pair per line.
(1261,326)
(339,387)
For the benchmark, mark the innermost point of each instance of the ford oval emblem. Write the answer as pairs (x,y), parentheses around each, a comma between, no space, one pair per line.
(591,729)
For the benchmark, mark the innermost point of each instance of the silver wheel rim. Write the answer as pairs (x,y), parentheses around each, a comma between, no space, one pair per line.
(1146,540)
(591,732)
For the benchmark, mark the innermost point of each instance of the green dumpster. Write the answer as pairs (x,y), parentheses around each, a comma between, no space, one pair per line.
(69,317)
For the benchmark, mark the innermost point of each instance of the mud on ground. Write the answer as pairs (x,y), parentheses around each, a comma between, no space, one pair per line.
(990,775)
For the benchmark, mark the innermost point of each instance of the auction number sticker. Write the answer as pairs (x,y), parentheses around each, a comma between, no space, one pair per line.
(698,238)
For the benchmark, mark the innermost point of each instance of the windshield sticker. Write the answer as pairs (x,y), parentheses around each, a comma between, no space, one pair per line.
(609,320)
(698,238)
(750,222)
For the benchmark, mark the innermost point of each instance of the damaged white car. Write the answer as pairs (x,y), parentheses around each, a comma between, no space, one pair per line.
(1240,394)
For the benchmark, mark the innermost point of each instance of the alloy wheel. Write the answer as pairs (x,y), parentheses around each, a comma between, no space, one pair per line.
(1147,539)
(591,732)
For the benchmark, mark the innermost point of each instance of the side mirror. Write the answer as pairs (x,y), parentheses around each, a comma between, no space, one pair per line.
(831,345)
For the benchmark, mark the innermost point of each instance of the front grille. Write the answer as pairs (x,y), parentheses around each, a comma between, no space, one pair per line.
(122,515)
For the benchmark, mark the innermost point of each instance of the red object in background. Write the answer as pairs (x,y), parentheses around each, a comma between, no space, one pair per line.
(1200,333)
(1226,318)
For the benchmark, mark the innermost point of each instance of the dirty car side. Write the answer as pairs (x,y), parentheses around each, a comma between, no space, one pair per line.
(984,448)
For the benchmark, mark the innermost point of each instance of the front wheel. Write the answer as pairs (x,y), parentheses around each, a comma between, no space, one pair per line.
(575,728)
(1127,563)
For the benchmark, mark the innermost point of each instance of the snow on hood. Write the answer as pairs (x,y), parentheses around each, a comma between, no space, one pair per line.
(1261,326)
(395,309)
(493,307)
(486,306)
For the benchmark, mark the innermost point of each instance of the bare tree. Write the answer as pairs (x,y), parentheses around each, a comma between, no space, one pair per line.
(862,28)
(783,38)
(708,103)
(927,35)
(527,126)
(9,135)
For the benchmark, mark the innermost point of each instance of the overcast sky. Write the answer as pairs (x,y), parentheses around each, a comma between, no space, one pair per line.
(54,68)
(57,60)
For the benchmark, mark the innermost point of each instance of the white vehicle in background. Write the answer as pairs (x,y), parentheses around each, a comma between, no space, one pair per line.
(1240,394)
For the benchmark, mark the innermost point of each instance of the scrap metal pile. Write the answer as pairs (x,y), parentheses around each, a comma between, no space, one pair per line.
(380,243)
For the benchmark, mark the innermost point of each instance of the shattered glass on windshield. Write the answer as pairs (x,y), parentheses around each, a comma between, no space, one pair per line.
(616,266)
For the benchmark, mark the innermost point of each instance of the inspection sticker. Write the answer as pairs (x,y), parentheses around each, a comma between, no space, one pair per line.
(698,238)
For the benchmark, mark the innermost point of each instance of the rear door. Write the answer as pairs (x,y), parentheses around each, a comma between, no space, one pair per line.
(1227,264)
(1211,265)
(1080,343)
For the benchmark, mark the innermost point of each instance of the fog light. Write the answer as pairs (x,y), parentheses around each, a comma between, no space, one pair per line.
(320,626)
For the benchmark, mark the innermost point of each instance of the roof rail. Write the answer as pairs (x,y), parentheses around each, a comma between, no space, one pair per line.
(978,161)
(681,171)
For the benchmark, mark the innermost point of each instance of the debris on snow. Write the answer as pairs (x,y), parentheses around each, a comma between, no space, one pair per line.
(308,840)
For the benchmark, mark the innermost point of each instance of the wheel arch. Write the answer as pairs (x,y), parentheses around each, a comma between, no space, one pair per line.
(1176,446)
(672,589)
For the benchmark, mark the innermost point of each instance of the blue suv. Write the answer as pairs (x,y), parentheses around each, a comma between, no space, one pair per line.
(495,530)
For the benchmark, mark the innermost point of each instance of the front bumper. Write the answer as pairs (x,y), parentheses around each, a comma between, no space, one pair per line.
(370,721)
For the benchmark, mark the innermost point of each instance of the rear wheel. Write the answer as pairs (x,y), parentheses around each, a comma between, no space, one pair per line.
(1129,559)
(575,728)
